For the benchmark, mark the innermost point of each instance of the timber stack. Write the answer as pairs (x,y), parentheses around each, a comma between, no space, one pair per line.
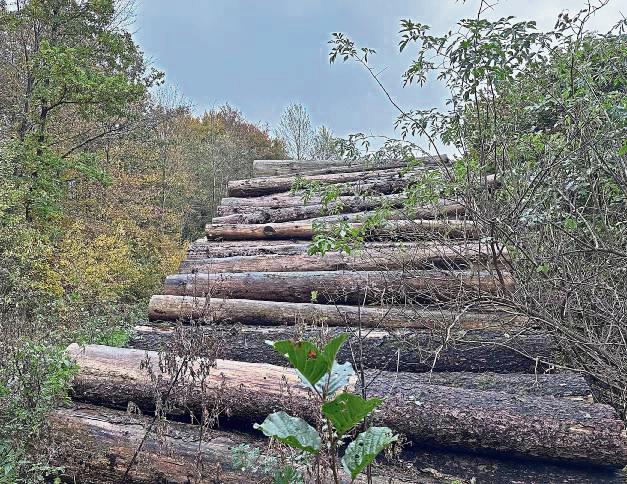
(472,390)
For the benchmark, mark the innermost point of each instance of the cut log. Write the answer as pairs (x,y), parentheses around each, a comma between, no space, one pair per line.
(210,249)
(264,168)
(341,287)
(353,190)
(401,229)
(98,445)
(243,311)
(402,350)
(312,208)
(514,425)
(458,467)
(410,256)
(394,178)
(446,209)
(568,385)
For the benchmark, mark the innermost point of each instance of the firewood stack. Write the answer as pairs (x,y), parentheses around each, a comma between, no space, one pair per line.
(470,389)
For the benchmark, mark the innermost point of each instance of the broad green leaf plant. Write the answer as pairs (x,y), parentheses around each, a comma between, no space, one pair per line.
(341,412)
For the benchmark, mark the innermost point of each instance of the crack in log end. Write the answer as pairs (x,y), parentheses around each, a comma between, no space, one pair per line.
(268,231)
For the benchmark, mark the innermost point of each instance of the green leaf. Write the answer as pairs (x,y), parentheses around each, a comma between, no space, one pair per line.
(333,346)
(364,449)
(311,362)
(339,377)
(292,431)
(570,224)
(306,358)
(347,410)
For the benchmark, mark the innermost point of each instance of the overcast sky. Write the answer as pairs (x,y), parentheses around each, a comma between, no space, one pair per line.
(260,56)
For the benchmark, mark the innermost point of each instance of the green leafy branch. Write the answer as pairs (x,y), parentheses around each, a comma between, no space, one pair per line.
(319,371)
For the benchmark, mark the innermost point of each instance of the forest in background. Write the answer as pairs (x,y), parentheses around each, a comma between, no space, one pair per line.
(106,174)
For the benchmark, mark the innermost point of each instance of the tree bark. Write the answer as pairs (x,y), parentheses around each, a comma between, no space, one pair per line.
(206,249)
(243,311)
(389,179)
(514,425)
(410,256)
(304,230)
(296,206)
(265,215)
(340,287)
(97,445)
(400,350)
(265,168)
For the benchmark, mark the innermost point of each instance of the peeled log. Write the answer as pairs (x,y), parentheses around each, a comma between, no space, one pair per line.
(101,443)
(305,230)
(265,215)
(410,256)
(262,168)
(402,350)
(243,311)
(337,286)
(514,425)
(393,177)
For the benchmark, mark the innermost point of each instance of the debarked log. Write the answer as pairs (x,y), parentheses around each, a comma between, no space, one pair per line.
(399,350)
(341,287)
(516,425)
(306,229)
(205,310)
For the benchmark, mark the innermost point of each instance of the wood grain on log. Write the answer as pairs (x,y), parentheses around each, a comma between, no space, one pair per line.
(340,287)
(252,312)
(516,425)
(409,257)
(305,230)
(402,350)
(265,168)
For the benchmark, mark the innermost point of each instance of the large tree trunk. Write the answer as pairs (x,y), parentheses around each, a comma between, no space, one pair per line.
(515,425)
(265,168)
(400,229)
(339,287)
(400,350)
(252,312)
(255,187)
(261,215)
(409,257)
(97,445)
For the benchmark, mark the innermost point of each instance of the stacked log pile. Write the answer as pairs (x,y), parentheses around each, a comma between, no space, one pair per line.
(454,378)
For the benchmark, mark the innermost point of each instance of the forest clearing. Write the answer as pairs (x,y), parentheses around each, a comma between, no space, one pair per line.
(187,296)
